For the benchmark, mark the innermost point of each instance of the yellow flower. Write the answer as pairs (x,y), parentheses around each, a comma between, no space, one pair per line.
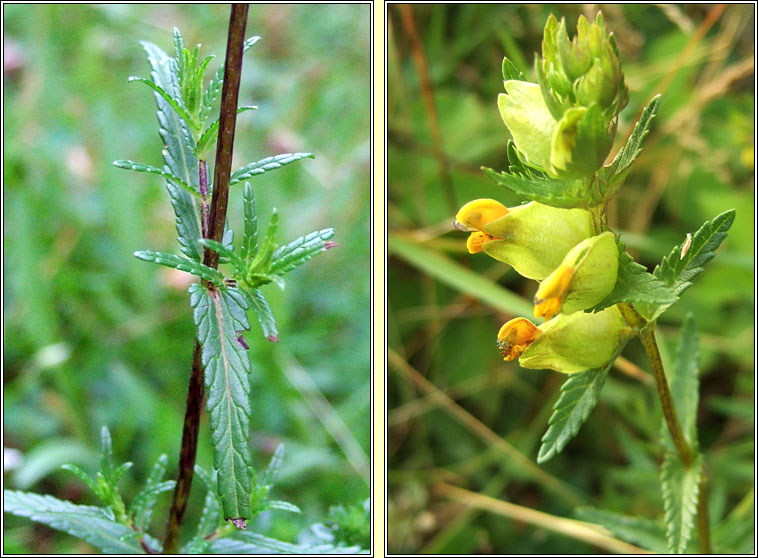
(569,343)
(587,275)
(474,216)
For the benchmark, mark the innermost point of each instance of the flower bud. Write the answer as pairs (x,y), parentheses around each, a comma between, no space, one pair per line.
(583,71)
(586,276)
(534,238)
(569,343)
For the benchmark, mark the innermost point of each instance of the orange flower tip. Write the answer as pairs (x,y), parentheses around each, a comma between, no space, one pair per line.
(515,336)
(476,241)
(546,308)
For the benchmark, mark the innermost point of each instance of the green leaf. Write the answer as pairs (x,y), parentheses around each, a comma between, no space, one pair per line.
(267,164)
(268,478)
(214,85)
(636,530)
(579,395)
(679,270)
(183,264)
(681,486)
(188,215)
(555,192)
(264,315)
(141,508)
(250,237)
(211,133)
(510,71)
(179,55)
(219,315)
(297,252)
(94,525)
(246,542)
(141,167)
(635,284)
(106,455)
(83,476)
(179,154)
(173,103)
(222,250)
(633,146)
(282,505)
(684,381)
(210,518)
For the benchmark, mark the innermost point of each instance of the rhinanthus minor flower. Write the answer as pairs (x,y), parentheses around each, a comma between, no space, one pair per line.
(569,343)
(532,238)
(586,276)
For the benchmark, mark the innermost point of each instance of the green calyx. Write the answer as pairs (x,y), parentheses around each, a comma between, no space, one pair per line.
(586,276)
(573,146)
(534,238)
(572,343)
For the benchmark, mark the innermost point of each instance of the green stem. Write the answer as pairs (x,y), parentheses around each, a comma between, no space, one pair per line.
(647,336)
(216,222)
(646,332)
(703,529)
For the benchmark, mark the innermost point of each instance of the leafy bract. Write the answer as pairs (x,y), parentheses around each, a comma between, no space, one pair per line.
(95,525)
(219,315)
(681,486)
(619,168)
(265,165)
(579,395)
(566,194)
(510,71)
(635,284)
(681,267)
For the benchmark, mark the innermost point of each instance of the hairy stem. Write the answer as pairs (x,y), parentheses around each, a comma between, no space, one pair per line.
(219,202)
(205,216)
(647,336)
(646,331)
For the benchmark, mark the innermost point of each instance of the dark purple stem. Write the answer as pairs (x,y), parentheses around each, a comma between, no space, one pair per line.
(215,231)
(204,192)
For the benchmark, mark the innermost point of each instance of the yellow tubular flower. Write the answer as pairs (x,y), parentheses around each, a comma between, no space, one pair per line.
(474,216)
(587,275)
(552,291)
(515,336)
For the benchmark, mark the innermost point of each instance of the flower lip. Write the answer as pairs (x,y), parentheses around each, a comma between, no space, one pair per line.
(515,336)
(472,218)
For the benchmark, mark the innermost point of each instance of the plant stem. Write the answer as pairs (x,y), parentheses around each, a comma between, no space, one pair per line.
(646,332)
(219,202)
(647,336)
(703,530)
(203,166)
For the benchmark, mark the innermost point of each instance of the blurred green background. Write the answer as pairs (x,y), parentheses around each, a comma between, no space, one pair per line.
(93,336)
(446,306)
